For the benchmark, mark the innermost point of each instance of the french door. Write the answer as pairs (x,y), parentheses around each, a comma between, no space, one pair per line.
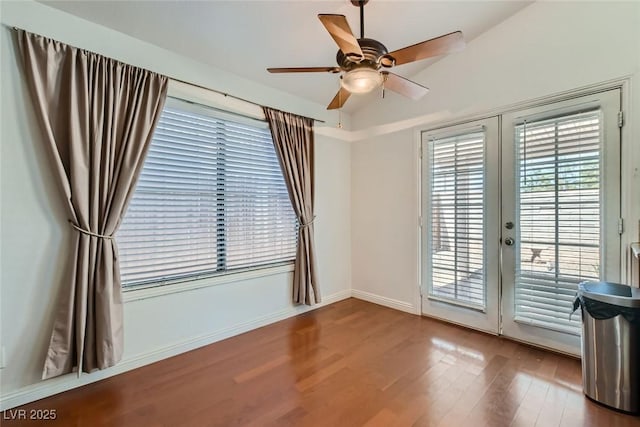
(460,237)
(560,213)
(517,211)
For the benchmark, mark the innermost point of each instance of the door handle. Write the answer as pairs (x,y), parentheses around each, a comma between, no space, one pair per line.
(509,241)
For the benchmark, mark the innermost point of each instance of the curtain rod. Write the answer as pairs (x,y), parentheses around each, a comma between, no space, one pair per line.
(231,96)
(213,90)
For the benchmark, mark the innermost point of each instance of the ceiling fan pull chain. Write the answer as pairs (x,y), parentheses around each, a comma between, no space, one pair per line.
(385,76)
(340,107)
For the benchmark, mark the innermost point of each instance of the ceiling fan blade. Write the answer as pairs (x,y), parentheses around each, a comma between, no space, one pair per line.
(341,33)
(304,70)
(339,100)
(440,45)
(404,86)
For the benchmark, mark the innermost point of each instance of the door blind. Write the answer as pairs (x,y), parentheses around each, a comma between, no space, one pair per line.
(211,198)
(559,216)
(456,218)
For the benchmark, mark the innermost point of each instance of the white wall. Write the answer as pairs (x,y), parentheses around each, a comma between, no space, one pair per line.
(35,236)
(547,48)
(384,220)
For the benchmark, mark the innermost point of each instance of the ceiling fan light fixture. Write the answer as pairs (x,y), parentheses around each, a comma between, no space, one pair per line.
(361,80)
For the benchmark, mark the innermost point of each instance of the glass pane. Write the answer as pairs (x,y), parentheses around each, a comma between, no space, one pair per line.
(457,219)
(211,198)
(558,164)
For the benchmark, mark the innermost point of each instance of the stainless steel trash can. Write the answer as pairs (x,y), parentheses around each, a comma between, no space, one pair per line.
(611,344)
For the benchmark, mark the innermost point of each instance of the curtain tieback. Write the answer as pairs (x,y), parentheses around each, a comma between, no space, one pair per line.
(306,224)
(89,233)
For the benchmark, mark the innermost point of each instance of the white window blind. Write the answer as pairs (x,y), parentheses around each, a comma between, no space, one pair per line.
(211,199)
(559,216)
(456,216)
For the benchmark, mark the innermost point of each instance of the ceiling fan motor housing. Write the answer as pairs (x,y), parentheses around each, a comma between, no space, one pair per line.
(375,55)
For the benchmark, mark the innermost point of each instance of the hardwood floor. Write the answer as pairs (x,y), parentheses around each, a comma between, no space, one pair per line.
(349,364)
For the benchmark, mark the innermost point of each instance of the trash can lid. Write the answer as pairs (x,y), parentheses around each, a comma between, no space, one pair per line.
(611,293)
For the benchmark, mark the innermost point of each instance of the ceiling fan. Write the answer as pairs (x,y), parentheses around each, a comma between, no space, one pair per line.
(364,62)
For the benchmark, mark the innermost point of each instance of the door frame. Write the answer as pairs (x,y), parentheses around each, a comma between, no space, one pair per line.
(433,122)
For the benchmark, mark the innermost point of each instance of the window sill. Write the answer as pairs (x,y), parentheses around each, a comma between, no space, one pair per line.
(184,286)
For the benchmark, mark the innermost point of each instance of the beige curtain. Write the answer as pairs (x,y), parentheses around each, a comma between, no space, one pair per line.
(293,140)
(98,116)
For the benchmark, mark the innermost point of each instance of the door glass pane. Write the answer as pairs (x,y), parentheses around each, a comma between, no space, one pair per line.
(456,217)
(559,189)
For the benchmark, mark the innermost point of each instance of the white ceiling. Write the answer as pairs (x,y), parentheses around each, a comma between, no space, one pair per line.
(246,37)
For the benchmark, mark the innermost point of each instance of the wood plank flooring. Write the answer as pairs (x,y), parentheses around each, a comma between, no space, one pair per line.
(348,364)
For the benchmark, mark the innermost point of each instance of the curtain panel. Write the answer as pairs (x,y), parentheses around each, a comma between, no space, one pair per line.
(98,116)
(293,139)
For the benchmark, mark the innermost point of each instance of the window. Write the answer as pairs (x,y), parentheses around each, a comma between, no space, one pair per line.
(559,197)
(456,216)
(210,199)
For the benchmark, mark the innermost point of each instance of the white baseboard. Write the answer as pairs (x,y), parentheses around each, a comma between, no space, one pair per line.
(57,385)
(387,302)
